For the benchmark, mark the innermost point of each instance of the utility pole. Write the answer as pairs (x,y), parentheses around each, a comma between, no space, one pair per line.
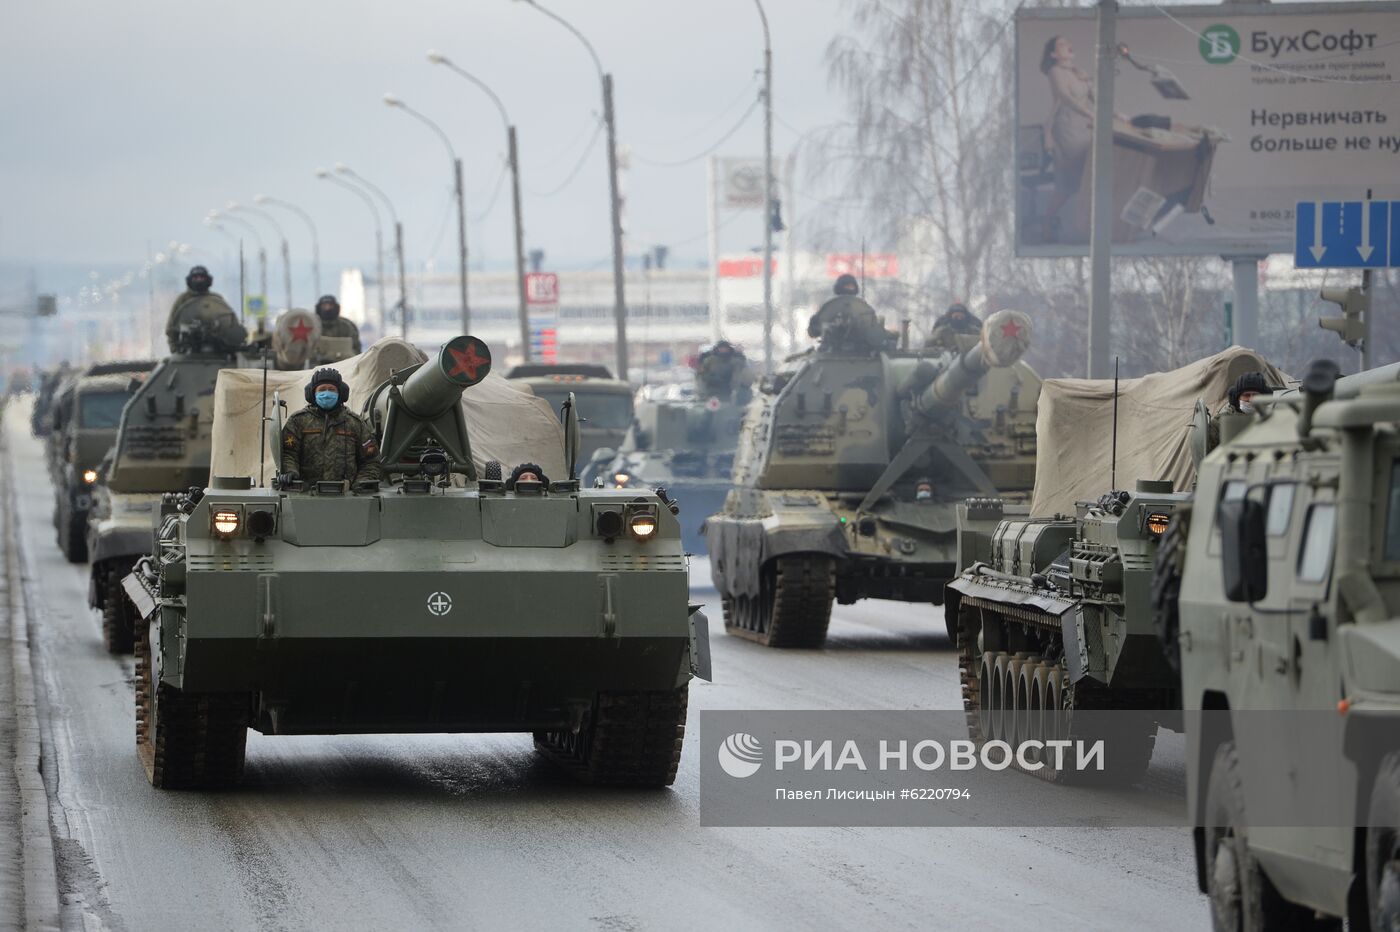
(403,282)
(513,154)
(767,193)
(619,297)
(1101,224)
(716,322)
(461,246)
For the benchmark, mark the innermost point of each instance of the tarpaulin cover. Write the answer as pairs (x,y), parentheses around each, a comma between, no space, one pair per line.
(506,422)
(1074,427)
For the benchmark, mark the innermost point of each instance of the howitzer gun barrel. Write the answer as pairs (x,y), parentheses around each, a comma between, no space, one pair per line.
(1005,336)
(438,384)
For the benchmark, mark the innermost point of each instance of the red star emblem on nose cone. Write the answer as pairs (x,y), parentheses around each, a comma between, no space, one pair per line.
(1011,330)
(466,362)
(300,331)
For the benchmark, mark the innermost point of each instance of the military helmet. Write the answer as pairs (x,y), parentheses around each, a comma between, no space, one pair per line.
(199,279)
(1248,383)
(327,307)
(323,376)
(846,284)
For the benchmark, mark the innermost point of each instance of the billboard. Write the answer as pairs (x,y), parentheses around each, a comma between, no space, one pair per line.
(1226,116)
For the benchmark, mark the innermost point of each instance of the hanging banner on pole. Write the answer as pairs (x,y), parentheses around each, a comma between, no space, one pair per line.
(1228,115)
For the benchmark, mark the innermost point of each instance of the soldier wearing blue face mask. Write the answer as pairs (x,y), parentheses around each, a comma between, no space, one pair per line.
(325,441)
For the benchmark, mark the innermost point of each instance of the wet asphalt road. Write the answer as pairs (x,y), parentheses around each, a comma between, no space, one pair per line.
(478,832)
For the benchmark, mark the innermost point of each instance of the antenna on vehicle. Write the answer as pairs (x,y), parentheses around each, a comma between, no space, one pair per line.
(1113,458)
(262,437)
(862,266)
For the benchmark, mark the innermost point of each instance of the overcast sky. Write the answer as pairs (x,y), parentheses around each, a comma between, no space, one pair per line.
(126,122)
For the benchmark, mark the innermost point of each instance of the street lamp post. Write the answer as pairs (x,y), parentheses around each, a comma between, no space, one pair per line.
(325,175)
(286,252)
(257,238)
(767,191)
(310,225)
(619,298)
(342,169)
(513,157)
(392,101)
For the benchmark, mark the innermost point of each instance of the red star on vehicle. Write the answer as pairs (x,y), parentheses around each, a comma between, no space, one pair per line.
(300,331)
(466,362)
(1011,330)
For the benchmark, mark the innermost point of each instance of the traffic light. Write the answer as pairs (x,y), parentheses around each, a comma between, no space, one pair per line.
(46,305)
(1356,305)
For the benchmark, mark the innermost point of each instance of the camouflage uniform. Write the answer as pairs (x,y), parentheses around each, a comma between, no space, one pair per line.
(339,327)
(206,306)
(719,374)
(334,445)
(849,323)
(955,331)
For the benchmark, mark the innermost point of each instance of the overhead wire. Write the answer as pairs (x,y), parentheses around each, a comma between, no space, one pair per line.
(578,166)
(656,163)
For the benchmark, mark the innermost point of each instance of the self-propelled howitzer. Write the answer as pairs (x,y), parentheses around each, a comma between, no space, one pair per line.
(435,600)
(850,465)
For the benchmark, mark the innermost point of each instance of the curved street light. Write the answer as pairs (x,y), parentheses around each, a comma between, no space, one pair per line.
(325,175)
(392,101)
(513,159)
(619,296)
(310,225)
(342,169)
(767,191)
(257,238)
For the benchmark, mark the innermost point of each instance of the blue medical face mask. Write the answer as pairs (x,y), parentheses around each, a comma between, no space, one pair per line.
(327,400)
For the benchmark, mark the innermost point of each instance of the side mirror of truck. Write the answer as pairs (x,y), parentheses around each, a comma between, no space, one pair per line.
(1244,550)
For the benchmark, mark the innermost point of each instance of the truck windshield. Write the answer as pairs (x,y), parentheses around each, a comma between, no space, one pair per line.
(608,410)
(102,410)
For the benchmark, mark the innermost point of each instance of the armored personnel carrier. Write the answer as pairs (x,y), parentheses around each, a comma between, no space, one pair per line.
(851,463)
(1279,604)
(604,403)
(85,415)
(436,600)
(162,445)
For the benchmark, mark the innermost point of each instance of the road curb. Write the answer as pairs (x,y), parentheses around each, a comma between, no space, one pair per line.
(40,875)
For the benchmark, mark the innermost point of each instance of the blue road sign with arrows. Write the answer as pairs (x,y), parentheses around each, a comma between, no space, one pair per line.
(1346,234)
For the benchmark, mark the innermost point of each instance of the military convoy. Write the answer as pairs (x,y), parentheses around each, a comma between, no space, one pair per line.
(442,599)
(851,463)
(1280,612)
(83,418)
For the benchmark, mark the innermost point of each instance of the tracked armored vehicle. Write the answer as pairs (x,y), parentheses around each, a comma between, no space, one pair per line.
(851,463)
(85,416)
(162,445)
(1053,616)
(1281,610)
(684,447)
(439,599)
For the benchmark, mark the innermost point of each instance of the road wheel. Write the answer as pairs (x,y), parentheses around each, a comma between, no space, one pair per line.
(118,616)
(793,605)
(72,536)
(1383,846)
(1241,897)
(626,739)
(1166,585)
(186,740)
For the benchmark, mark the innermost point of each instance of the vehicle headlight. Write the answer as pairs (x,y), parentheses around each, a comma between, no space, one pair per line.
(89,476)
(643,526)
(226,522)
(1157,523)
(621,479)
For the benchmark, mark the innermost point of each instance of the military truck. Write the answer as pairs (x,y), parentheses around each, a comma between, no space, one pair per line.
(1053,616)
(162,445)
(685,447)
(605,404)
(40,422)
(851,462)
(439,599)
(85,415)
(1281,589)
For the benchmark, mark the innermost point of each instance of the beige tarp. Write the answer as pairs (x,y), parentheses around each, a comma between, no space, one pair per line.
(506,422)
(1074,427)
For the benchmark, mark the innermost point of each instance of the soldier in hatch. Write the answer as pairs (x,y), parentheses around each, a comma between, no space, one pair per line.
(325,441)
(951,331)
(333,325)
(720,371)
(1246,388)
(847,323)
(197,304)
